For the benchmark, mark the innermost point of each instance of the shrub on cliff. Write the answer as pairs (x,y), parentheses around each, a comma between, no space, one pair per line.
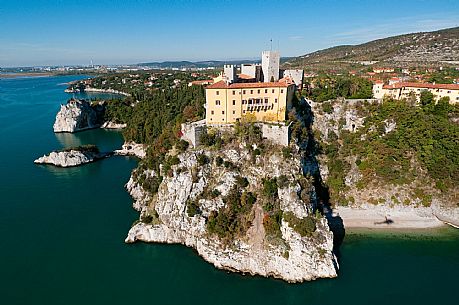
(303,226)
(235,218)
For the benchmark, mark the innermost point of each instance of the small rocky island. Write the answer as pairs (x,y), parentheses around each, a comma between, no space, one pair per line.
(73,156)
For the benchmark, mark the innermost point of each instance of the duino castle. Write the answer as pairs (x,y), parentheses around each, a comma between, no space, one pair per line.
(261,93)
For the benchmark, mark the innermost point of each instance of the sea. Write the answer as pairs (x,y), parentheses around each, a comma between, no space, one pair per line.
(62,233)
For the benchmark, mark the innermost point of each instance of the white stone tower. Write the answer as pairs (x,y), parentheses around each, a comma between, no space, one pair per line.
(270,61)
(230,73)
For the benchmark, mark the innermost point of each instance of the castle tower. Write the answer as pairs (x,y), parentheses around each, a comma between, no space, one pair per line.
(270,61)
(230,73)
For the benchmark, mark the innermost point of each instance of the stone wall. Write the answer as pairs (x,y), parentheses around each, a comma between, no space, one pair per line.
(277,133)
(191,132)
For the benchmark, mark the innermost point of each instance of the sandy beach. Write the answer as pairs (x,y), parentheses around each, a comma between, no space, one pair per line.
(380,217)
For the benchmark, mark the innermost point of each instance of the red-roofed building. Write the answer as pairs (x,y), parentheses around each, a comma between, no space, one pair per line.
(227,103)
(201,82)
(401,90)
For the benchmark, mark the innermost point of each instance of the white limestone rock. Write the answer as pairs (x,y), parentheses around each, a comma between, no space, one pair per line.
(112,125)
(296,260)
(132,149)
(77,115)
(69,158)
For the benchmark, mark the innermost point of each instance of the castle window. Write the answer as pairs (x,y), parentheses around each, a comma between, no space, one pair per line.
(275,100)
(217,102)
(251,91)
(234,102)
(282,90)
(243,111)
(273,90)
(449,91)
(212,112)
(258,91)
(234,111)
(217,92)
(223,112)
(266,101)
(234,92)
(266,90)
(243,91)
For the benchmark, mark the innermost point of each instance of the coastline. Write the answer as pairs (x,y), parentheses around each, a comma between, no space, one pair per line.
(96,90)
(19,75)
(398,218)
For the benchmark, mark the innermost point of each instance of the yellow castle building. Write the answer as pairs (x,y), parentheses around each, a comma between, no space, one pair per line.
(257,93)
(264,102)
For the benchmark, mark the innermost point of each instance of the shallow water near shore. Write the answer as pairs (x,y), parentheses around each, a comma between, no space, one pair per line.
(62,233)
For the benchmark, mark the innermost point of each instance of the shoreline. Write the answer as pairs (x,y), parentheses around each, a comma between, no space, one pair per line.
(386,219)
(24,75)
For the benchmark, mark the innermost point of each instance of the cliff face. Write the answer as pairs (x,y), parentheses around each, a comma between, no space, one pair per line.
(78,115)
(283,253)
(346,132)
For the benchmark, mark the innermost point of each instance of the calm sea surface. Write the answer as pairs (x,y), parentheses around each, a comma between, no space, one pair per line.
(62,233)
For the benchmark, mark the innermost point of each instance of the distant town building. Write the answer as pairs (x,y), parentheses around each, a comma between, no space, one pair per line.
(201,82)
(383,70)
(401,90)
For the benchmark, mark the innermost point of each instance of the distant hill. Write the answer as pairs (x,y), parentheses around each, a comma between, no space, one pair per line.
(423,47)
(191,64)
(200,64)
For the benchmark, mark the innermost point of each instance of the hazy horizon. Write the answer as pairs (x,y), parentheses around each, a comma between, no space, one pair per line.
(58,33)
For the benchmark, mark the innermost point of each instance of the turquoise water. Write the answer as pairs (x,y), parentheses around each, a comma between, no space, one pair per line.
(62,233)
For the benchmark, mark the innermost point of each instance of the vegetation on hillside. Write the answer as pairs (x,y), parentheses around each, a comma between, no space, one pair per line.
(327,87)
(424,139)
(416,48)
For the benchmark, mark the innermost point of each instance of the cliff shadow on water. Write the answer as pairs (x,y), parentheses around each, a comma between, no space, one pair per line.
(322,194)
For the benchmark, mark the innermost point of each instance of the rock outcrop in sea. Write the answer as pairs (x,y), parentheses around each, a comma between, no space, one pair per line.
(206,185)
(70,158)
(78,115)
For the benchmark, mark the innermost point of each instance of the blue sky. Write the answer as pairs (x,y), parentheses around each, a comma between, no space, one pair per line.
(61,32)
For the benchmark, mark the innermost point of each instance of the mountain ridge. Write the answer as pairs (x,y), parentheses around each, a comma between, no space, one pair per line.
(421,47)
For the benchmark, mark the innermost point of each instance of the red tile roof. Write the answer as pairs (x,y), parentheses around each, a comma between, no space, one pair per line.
(422,85)
(222,85)
(202,82)
(245,76)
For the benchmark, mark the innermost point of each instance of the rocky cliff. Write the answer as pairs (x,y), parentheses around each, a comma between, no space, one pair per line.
(367,166)
(78,115)
(241,211)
